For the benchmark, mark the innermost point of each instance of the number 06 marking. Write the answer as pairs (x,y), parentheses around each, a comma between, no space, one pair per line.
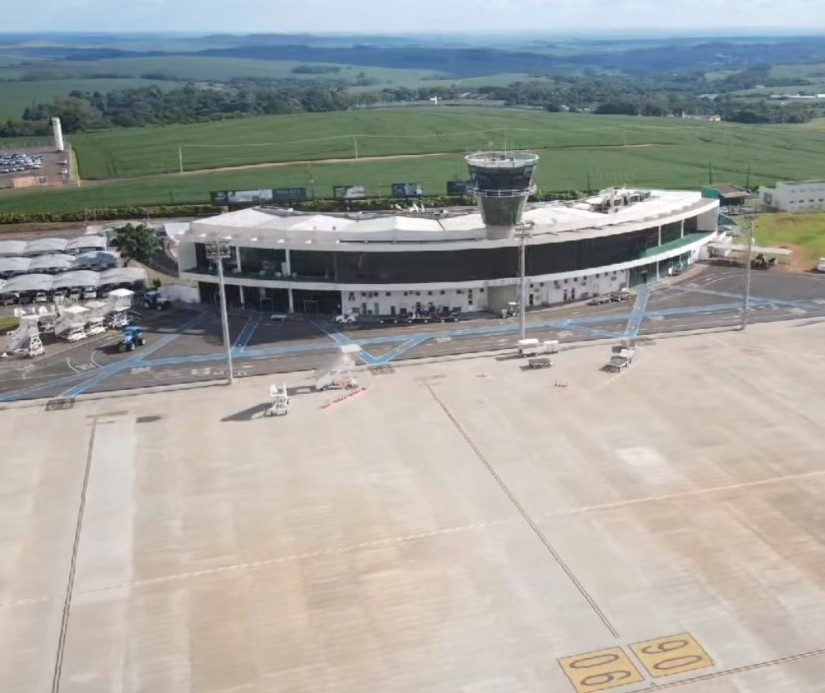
(600,671)
(671,655)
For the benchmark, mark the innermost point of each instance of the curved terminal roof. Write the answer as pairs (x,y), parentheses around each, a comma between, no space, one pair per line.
(601,215)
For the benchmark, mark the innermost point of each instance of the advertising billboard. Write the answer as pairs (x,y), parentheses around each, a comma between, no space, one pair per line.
(241,197)
(224,198)
(407,190)
(289,194)
(349,192)
(459,187)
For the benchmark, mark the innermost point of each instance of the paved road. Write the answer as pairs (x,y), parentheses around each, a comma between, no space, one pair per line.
(185,345)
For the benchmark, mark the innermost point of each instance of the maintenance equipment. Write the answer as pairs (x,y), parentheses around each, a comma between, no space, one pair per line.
(25,340)
(152,300)
(535,347)
(339,375)
(542,362)
(133,337)
(280,401)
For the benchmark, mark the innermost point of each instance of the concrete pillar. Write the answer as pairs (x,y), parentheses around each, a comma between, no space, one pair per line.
(660,234)
(291,300)
(288,270)
(238,257)
(682,230)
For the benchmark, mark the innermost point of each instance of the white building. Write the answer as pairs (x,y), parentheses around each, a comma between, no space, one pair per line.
(391,263)
(795,196)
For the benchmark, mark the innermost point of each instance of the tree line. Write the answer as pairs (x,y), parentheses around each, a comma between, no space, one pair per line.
(650,95)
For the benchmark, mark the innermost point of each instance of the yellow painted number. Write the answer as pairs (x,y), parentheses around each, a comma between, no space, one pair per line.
(600,671)
(671,655)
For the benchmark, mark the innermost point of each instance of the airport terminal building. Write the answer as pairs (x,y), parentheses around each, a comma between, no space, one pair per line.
(461,259)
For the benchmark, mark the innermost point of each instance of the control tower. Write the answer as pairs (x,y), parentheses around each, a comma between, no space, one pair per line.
(502,181)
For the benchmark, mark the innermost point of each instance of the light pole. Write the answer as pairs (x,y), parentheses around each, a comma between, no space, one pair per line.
(746,296)
(217,250)
(523,230)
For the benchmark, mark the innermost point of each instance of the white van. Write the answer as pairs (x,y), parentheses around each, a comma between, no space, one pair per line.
(535,347)
(820,266)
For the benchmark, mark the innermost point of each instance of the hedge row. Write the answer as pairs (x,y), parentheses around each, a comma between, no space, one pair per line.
(201,210)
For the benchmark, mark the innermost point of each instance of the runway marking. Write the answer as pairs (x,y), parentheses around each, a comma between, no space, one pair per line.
(556,556)
(601,670)
(30,600)
(741,670)
(671,655)
(302,556)
(686,494)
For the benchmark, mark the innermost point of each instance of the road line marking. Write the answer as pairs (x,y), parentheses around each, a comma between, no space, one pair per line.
(302,556)
(685,494)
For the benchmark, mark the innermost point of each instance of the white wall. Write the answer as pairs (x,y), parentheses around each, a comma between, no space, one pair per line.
(466,300)
(556,291)
(179,292)
(804,197)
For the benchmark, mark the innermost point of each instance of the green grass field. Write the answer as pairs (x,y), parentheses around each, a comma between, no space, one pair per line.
(645,142)
(804,231)
(18,95)
(577,152)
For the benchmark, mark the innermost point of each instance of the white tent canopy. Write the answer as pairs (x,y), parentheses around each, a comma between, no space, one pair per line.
(77,279)
(57,261)
(43,246)
(86,243)
(28,282)
(14,264)
(12,248)
(123,275)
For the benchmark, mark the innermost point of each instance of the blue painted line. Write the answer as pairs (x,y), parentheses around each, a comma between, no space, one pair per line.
(752,299)
(107,372)
(342,340)
(245,336)
(410,344)
(637,316)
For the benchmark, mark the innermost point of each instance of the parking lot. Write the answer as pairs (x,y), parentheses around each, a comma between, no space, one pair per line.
(462,526)
(37,162)
(185,345)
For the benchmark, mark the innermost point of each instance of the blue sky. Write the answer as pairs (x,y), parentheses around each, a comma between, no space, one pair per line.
(438,16)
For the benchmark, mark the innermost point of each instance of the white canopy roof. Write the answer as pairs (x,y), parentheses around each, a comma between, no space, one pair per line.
(29,282)
(12,247)
(15,264)
(123,275)
(79,278)
(55,261)
(86,242)
(41,246)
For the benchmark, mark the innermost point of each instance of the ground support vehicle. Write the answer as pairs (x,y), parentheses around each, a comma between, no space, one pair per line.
(535,347)
(510,311)
(542,362)
(762,263)
(622,357)
(133,337)
(280,401)
(152,300)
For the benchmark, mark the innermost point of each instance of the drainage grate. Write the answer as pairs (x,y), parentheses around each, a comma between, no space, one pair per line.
(59,404)
(148,419)
(382,370)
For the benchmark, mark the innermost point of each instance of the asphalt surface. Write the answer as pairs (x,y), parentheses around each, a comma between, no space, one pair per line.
(185,345)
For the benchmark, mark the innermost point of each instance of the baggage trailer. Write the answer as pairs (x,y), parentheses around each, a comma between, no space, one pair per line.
(542,362)
(535,347)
